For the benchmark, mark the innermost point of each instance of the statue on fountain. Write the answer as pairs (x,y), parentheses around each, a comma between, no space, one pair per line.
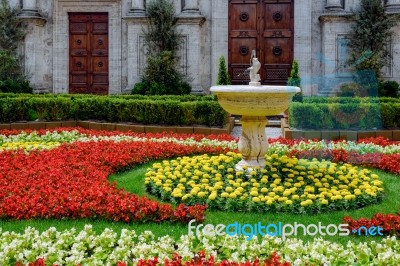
(255,66)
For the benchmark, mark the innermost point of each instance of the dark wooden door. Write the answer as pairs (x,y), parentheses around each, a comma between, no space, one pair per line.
(88,53)
(264,25)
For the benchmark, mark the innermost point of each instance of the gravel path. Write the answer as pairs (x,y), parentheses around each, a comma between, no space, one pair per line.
(272,132)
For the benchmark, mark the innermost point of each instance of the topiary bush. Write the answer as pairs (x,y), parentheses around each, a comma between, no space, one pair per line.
(295,80)
(349,90)
(223,75)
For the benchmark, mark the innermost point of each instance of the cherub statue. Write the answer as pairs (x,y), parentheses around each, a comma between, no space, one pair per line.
(255,67)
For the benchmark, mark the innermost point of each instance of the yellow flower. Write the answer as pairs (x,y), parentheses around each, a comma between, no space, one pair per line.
(254,193)
(288,202)
(256,199)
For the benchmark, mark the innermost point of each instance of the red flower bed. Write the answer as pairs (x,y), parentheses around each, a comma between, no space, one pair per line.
(389,222)
(71,182)
(199,260)
(381,141)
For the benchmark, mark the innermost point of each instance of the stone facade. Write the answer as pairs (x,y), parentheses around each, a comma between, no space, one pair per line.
(320,31)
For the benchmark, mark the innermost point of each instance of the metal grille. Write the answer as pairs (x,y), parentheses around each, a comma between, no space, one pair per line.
(277,74)
(240,74)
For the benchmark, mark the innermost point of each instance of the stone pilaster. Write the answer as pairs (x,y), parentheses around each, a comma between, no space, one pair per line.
(191,6)
(31,12)
(334,5)
(137,9)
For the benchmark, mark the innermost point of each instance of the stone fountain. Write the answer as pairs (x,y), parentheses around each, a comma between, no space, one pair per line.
(254,102)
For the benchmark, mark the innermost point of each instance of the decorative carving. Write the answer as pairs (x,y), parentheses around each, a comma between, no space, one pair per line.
(244,34)
(277,33)
(244,50)
(277,16)
(79,42)
(100,64)
(277,50)
(99,53)
(79,53)
(100,42)
(244,16)
(79,64)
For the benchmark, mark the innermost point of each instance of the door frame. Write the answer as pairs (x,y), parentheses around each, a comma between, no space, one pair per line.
(61,41)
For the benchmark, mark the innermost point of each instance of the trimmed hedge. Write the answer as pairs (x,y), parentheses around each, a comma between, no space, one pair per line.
(349,115)
(181,98)
(185,110)
(343,100)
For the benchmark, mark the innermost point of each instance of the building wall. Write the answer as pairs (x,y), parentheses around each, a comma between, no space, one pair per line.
(320,29)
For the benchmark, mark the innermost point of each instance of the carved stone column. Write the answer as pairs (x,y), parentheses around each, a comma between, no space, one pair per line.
(392,6)
(137,9)
(334,5)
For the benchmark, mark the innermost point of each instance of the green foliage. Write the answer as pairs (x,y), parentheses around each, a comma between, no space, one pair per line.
(162,75)
(17,85)
(12,77)
(295,80)
(223,75)
(388,89)
(171,110)
(162,34)
(349,113)
(12,30)
(370,36)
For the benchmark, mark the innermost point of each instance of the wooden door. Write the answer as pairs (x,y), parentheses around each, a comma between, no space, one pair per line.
(88,53)
(264,25)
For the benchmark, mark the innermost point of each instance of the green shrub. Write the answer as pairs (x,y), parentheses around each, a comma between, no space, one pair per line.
(15,86)
(388,89)
(349,90)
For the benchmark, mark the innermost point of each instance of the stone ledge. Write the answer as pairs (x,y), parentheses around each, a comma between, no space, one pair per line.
(227,129)
(340,134)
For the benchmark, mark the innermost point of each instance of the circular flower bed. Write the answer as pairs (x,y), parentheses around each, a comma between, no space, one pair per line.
(285,185)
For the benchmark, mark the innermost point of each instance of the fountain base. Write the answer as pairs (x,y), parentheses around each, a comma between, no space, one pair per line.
(254,84)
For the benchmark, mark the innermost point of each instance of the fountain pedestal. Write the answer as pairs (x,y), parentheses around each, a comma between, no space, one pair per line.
(253,142)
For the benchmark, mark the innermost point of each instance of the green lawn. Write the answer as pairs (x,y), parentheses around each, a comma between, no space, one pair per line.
(133,181)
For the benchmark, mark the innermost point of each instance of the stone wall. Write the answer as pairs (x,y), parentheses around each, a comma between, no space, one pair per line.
(320,29)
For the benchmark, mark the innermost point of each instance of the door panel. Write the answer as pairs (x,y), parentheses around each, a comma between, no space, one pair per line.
(89,69)
(264,25)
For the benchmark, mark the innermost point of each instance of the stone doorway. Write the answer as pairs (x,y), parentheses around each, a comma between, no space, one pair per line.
(264,25)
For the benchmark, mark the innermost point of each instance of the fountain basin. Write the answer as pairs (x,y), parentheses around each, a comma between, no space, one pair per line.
(253,103)
(254,100)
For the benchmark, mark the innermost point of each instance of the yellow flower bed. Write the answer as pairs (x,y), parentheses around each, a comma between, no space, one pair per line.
(28,145)
(285,185)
